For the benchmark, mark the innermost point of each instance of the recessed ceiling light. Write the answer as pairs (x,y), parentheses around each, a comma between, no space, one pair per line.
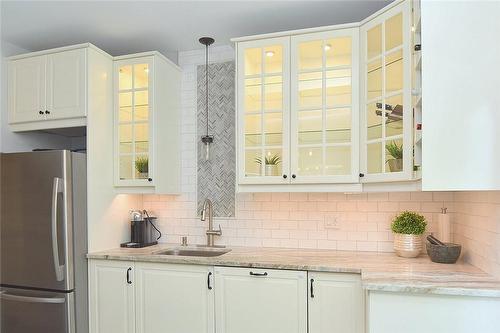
(269,53)
(327,47)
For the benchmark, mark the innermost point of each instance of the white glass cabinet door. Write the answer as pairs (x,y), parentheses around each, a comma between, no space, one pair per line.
(133,112)
(387,117)
(263,111)
(324,107)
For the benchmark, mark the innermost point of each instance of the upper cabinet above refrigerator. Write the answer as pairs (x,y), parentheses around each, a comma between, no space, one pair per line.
(50,89)
(330,108)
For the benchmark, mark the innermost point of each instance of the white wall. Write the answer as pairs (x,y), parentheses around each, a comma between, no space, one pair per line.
(15,142)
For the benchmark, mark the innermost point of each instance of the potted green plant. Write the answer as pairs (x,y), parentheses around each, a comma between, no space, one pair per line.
(408,228)
(271,164)
(141,165)
(396,152)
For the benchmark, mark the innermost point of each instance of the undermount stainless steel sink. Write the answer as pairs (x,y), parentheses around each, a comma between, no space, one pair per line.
(201,252)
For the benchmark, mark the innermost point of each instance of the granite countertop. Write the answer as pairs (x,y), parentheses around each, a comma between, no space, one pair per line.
(379,271)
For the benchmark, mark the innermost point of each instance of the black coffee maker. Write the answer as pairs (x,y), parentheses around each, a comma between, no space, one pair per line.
(143,232)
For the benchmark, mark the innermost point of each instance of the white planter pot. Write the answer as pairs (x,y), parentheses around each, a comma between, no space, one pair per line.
(271,170)
(408,246)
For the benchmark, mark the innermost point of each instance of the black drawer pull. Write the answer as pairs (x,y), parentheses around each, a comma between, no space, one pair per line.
(128,275)
(258,274)
(208,281)
(312,288)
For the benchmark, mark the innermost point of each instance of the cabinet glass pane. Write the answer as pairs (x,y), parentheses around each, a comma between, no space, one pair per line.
(141,136)
(141,74)
(273,161)
(310,90)
(374,42)
(310,127)
(126,166)
(374,77)
(394,155)
(273,129)
(253,162)
(125,107)
(273,93)
(125,138)
(253,94)
(338,125)
(125,77)
(253,61)
(338,87)
(141,166)
(374,120)
(338,52)
(338,160)
(394,32)
(311,55)
(141,98)
(394,72)
(310,161)
(273,59)
(394,116)
(253,132)
(374,162)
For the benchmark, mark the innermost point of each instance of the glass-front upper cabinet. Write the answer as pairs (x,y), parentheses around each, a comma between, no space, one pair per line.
(387,115)
(324,107)
(263,111)
(132,122)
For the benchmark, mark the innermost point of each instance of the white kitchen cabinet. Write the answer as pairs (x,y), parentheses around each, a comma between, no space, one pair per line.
(147,124)
(66,84)
(386,96)
(416,313)
(263,111)
(27,89)
(260,300)
(324,107)
(460,110)
(49,89)
(331,108)
(111,296)
(336,303)
(174,298)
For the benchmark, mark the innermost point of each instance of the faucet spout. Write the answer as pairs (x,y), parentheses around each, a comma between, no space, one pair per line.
(207,213)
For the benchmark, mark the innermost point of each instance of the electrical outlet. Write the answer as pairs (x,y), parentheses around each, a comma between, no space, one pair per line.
(331,222)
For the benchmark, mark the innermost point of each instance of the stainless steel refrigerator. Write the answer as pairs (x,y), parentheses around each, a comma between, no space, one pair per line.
(43,242)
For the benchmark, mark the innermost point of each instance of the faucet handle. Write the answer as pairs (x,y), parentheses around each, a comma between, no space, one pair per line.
(215,232)
(219,231)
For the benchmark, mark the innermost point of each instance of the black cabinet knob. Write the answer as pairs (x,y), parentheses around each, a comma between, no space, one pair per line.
(150,179)
(40,112)
(284,176)
(294,176)
(361,175)
(47,112)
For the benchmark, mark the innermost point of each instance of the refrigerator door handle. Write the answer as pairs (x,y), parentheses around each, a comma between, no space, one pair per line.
(29,299)
(57,187)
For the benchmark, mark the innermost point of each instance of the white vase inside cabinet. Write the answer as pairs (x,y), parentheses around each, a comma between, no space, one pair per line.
(324,107)
(263,111)
(387,138)
(147,135)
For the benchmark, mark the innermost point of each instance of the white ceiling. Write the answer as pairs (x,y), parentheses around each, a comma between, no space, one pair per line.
(121,27)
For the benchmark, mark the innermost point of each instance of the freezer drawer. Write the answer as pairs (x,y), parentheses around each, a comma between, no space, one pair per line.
(27,311)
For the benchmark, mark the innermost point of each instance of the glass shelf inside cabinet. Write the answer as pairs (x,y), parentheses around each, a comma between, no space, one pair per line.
(133,121)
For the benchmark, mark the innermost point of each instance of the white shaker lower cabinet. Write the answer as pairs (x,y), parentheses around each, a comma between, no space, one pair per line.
(260,300)
(174,298)
(336,303)
(112,296)
(414,313)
